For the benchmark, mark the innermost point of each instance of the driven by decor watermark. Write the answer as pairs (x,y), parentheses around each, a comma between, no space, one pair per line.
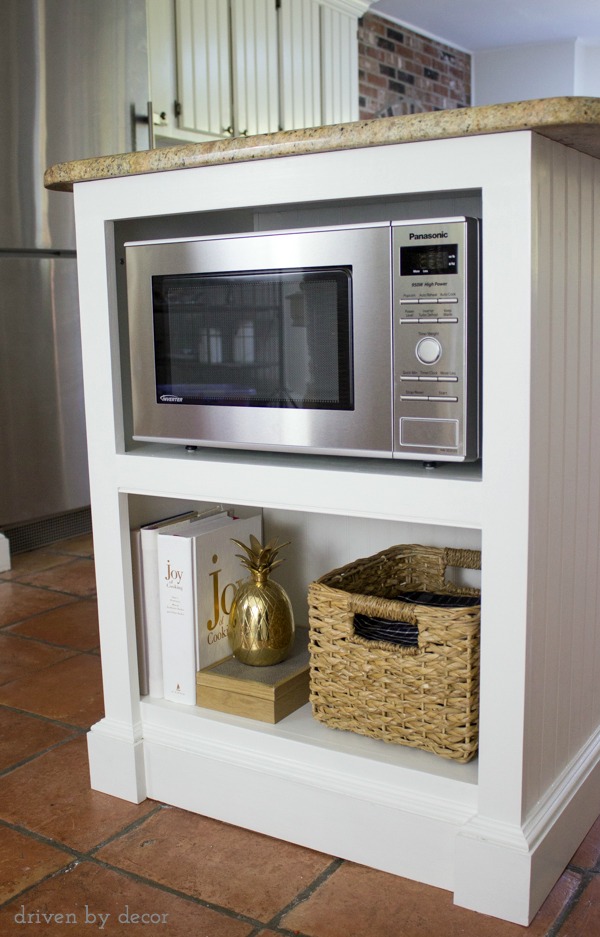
(89,916)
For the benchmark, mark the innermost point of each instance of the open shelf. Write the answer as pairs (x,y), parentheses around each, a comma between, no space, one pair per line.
(448,495)
(316,743)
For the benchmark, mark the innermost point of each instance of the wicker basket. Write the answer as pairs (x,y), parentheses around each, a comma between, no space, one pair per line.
(425,696)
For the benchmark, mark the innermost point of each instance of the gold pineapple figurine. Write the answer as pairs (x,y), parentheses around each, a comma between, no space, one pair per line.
(261,621)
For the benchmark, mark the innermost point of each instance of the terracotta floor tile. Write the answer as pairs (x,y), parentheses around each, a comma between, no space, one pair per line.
(584,919)
(20,657)
(356,901)
(51,796)
(222,864)
(24,563)
(23,736)
(70,691)
(74,625)
(24,861)
(88,893)
(18,602)
(588,854)
(82,545)
(77,577)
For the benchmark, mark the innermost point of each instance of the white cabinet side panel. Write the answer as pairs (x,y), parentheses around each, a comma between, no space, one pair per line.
(563,705)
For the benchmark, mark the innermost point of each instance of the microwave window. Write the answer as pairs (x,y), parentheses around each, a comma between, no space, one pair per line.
(281,338)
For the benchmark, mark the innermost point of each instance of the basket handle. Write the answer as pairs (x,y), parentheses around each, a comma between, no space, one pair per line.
(464,559)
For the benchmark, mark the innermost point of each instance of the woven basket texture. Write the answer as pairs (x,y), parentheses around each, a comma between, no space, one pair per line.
(426,696)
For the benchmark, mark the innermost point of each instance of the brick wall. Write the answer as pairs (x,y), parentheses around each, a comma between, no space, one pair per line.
(401,72)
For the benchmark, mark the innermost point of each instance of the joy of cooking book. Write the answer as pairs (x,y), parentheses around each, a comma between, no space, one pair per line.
(198,570)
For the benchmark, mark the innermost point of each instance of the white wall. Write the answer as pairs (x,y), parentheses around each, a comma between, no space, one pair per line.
(537,70)
(587,67)
(520,73)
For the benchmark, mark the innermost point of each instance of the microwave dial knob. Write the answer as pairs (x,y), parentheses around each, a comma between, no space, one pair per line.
(428,350)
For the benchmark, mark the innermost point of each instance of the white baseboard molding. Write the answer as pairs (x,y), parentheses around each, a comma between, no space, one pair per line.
(116,760)
(529,860)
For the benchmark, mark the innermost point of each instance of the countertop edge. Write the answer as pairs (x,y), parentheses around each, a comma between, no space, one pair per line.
(574,121)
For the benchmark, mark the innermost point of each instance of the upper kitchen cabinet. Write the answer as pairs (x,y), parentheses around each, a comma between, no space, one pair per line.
(223,68)
(318,48)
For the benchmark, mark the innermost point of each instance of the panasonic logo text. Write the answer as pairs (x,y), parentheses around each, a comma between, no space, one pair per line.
(427,237)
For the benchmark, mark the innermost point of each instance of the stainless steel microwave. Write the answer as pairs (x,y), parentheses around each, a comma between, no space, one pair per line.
(360,340)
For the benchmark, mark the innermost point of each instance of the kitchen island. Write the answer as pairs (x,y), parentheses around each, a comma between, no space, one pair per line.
(516,814)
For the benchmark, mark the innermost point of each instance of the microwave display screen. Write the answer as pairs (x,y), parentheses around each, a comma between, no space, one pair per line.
(422,260)
(280,338)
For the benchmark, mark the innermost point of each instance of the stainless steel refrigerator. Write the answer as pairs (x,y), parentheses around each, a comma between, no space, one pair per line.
(74,75)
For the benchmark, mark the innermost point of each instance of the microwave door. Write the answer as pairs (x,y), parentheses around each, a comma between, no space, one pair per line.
(267,342)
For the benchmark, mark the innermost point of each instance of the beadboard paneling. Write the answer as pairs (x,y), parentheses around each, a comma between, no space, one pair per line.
(563,703)
(204,78)
(255,66)
(339,61)
(300,64)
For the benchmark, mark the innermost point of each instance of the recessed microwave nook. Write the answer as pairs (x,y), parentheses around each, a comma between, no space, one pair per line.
(355,340)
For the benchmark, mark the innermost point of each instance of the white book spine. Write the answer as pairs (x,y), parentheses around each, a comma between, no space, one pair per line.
(148,598)
(176,587)
(141,628)
(149,550)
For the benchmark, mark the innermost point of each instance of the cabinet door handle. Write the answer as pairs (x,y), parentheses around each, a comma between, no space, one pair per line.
(150,113)
(244,133)
(228,130)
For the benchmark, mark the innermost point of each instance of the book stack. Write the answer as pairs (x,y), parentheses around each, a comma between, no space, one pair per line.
(185,574)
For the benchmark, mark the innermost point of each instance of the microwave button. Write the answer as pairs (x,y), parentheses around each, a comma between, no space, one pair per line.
(427,319)
(445,379)
(448,319)
(439,399)
(416,396)
(428,350)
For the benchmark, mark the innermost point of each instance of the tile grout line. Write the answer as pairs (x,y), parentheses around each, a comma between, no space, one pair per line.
(55,608)
(167,889)
(128,828)
(77,857)
(44,641)
(5,772)
(302,896)
(41,718)
(587,875)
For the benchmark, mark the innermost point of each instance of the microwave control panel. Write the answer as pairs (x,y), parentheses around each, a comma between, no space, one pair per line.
(436,353)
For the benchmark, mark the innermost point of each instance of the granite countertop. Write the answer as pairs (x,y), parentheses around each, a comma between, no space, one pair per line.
(573,121)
